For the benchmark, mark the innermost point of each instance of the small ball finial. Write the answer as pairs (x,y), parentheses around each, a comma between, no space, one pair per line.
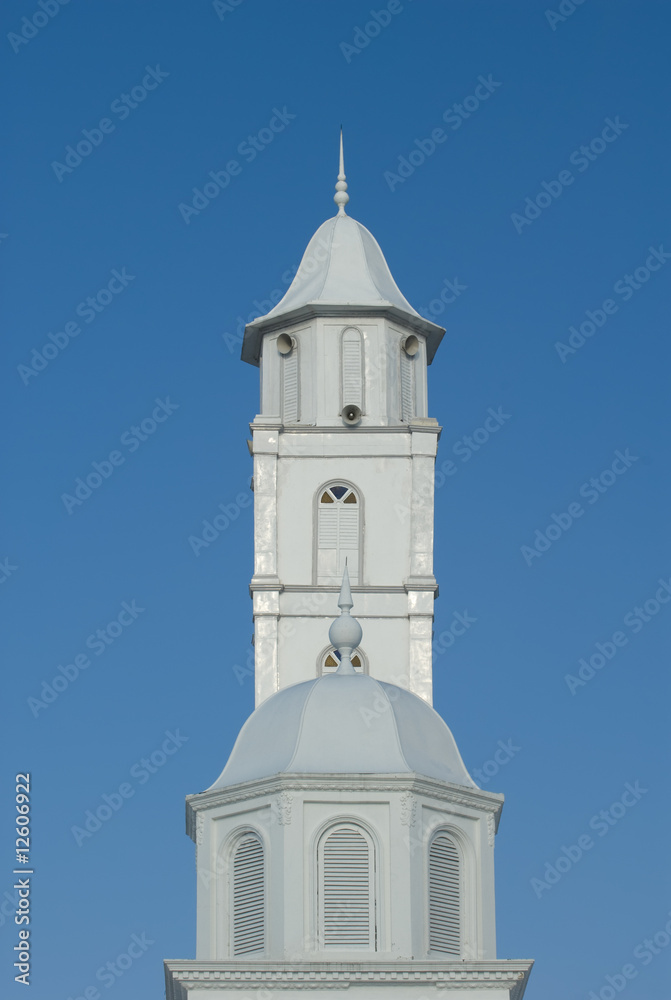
(345,632)
(341,197)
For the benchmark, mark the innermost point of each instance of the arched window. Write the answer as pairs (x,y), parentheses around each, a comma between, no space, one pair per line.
(248,896)
(346,888)
(329,661)
(352,369)
(338,530)
(444,896)
(290,394)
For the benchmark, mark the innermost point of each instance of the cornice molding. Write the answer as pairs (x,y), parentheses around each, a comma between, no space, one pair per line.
(484,975)
(360,430)
(425,585)
(491,803)
(254,331)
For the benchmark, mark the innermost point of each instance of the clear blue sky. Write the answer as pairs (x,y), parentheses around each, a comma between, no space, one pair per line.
(169,332)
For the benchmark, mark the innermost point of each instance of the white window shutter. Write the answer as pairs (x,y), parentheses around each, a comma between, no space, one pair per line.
(407,387)
(348,540)
(347,890)
(444,896)
(290,387)
(248,903)
(337,540)
(328,526)
(352,381)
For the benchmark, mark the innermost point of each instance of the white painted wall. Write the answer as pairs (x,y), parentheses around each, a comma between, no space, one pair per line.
(390,462)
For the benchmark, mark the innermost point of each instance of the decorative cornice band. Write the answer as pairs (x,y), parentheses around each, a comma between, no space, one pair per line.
(474,798)
(251,346)
(360,430)
(311,588)
(200,975)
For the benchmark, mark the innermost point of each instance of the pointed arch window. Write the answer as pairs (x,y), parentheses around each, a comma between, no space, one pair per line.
(346,888)
(445,893)
(338,533)
(248,896)
(352,369)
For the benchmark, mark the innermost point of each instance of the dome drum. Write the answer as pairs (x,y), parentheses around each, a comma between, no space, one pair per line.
(397,816)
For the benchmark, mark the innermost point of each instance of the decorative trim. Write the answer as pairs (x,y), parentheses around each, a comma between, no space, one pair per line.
(491,829)
(408,809)
(485,975)
(472,798)
(310,588)
(361,430)
(200,824)
(251,345)
(357,588)
(266,422)
(257,585)
(284,803)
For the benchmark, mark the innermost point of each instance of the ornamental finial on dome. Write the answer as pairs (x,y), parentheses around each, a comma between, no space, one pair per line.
(341,197)
(345,632)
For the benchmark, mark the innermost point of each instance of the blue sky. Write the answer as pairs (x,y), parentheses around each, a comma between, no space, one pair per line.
(157,350)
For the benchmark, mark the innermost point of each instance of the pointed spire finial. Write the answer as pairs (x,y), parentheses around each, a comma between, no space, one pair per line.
(345,632)
(345,602)
(341,197)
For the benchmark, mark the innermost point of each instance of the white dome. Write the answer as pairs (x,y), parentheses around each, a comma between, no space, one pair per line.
(343,271)
(344,724)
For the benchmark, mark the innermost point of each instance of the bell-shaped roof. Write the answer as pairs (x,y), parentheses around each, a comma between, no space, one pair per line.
(343,272)
(342,265)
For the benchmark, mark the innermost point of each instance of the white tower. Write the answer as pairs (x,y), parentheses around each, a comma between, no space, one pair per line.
(344,846)
(344,454)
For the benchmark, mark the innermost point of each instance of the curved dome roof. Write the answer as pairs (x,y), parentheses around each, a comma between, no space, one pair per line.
(344,724)
(343,264)
(343,271)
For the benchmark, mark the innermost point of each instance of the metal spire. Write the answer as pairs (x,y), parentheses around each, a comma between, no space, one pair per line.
(345,632)
(341,197)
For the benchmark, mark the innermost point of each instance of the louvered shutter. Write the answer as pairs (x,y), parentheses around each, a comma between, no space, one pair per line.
(444,896)
(348,540)
(337,540)
(327,542)
(248,897)
(407,387)
(290,386)
(351,369)
(347,906)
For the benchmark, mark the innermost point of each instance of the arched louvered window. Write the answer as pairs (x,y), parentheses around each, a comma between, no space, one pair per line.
(346,889)
(338,534)
(290,393)
(248,903)
(407,386)
(444,896)
(352,369)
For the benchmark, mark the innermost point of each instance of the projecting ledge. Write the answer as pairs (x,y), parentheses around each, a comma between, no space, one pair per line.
(499,978)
